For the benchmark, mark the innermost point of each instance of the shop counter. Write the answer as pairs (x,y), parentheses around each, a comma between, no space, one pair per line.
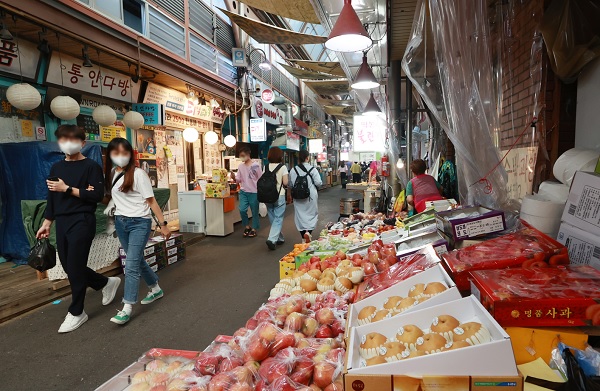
(221,215)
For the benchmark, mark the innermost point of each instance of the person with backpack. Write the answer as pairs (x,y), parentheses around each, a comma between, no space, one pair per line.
(305,180)
(271,191)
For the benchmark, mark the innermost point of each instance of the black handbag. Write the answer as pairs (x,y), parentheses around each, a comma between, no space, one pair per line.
(42,255)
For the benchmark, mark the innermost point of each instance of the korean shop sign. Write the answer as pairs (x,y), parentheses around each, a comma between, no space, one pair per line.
(9,58)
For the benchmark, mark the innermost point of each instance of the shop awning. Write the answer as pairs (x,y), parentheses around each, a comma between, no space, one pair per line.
(301,10)
(304,74)
(330,87)
(266,33)
(340,111)
(332,68)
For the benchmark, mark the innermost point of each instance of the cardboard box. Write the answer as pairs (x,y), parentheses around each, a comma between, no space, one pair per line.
(494,358)
(441,205)
(286,269)
(217,190)
(152,259)
(414,243)
(582,209)
(426,215)
(419,228)
(523,248)
(584,247)
(530,344)
(436,273)
(565,296)
(431,383)
(485,222)
(153,246)
(219,175)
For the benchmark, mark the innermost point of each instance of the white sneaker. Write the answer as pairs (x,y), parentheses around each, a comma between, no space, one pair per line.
(72,322)
(110,290)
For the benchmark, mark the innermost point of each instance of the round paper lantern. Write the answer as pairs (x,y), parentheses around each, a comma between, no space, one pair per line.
(230,141)
(23,96)
(190,135)
(211,137)
(64,107)
(133,120)
(104,115)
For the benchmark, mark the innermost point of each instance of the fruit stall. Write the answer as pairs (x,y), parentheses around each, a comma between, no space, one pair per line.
(440,301)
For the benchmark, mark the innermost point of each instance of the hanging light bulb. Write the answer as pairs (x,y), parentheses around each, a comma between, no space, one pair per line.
(372,108)
(400,164)
(104,115)
(348,33)
(347,144)
(133,120)
(23,96)
(365,79)
(211,137)
(65,107)
(190,135)
(230,141)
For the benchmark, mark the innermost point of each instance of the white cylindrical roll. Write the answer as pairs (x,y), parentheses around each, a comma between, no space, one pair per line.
(555,191)
(539,205)
(572,161)
(548,225)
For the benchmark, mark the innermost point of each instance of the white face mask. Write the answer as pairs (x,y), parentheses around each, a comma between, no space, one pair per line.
(244,158)
(120,160)
(70,147)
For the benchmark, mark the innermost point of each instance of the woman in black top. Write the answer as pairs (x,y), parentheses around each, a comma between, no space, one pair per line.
(76,185)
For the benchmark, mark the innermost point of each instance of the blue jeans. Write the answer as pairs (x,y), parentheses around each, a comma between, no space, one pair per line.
(133,233)
(276,212)
(249,200)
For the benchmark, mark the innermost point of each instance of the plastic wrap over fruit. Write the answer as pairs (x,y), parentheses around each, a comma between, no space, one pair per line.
(276,311)
(169,370)
(265,341)
(218,358)
(527,247)
(416,263)
(238,379)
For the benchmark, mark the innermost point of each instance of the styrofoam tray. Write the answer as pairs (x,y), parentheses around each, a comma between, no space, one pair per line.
(436,273)
(493,358)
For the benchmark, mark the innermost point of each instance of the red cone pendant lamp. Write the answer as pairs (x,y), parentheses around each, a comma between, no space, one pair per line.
(365,79)
(348,33)
(372,108)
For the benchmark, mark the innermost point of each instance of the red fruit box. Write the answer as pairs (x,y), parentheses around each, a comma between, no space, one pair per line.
(561,296)
(527,248)
(407,267)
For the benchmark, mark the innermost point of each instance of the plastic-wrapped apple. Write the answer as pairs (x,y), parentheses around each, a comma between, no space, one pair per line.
(309,327)
(325,316)
(303,343)
(337,328)
(369,268)
(324,373)
(241,387)
(294,304)
(252,366)
(268,332)
(282,341)
(258,349)
(207,363)
(324,331)
(220,382)
(336,355)
(242,374)
(315,387)
(260,386)
(337,386)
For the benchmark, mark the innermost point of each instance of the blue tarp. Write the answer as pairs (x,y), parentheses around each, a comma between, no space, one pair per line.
(24,168)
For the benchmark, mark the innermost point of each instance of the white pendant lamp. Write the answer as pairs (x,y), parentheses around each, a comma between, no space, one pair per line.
(190,135)
(104,115)
(65,107)
(211,137)
(23,96)
(348,33)
(133,120)
(230,141)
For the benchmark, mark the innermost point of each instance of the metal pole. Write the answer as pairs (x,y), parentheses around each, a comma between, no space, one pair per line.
(409,123)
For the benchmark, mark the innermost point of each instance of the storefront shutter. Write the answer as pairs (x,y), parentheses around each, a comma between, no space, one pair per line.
(174,7)
(166,32)
(201,18)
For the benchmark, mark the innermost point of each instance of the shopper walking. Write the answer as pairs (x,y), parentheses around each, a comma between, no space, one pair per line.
(133,197)
(356,171)
(276,210)
(304,180)
(421,188)
(248,174)
(343,174)
(75,187)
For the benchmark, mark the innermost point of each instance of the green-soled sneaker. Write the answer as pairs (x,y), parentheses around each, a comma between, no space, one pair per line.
(152,297)
(121,318)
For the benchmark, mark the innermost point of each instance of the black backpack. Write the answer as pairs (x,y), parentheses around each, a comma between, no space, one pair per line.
(301,190)
(266,186)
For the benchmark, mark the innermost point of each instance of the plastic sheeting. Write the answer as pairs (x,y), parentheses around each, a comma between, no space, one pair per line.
(571,30)
(456,60)
(24,168)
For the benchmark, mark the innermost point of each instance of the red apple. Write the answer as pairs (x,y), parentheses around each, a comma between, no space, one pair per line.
(369,268)
(315,387)
(294,304)
(268,331)
(283,340)
(260,386)
(242,374)
(229,363)
(314,259)
(240,387)
(337,328)
(303,371)
(304,267)
(337,386)
(336,355)
(252,366)
(325,316)
(207,363)
(323,374)
(373,257)
(220,382)
(309,327)
(316,266)
(251,323)
(258,349)
(340,254)
(324,332)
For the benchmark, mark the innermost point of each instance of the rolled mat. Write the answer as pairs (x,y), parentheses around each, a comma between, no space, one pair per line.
(572,161)
(540,205)
(555,191)
(548,225)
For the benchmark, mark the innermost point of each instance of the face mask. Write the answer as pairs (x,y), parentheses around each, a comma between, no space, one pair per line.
(120,160)
(70,147)
(244,158)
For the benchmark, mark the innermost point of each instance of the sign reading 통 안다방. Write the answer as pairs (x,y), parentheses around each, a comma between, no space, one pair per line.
(178,102)
(258,130)
(519,164)
(18,56)
(93,80)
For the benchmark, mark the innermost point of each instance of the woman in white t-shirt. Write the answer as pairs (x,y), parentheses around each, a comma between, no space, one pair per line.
(132,194)
(277,210)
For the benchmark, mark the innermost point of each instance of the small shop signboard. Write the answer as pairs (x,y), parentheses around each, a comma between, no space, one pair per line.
(258,130)
(293,141)
(154,113)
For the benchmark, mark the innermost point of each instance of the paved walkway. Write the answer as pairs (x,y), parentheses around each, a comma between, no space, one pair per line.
(219,286)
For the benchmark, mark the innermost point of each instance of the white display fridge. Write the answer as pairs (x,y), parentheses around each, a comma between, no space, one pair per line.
(192,211)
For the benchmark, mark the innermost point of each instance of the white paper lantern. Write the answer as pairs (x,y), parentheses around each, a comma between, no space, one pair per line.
(23,96)
(230,141)
(133,120)
(211,137)
(190,135)
(65,107)
(104,115)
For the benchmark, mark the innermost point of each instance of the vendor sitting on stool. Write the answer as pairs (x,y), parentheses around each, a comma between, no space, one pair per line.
(421,188)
